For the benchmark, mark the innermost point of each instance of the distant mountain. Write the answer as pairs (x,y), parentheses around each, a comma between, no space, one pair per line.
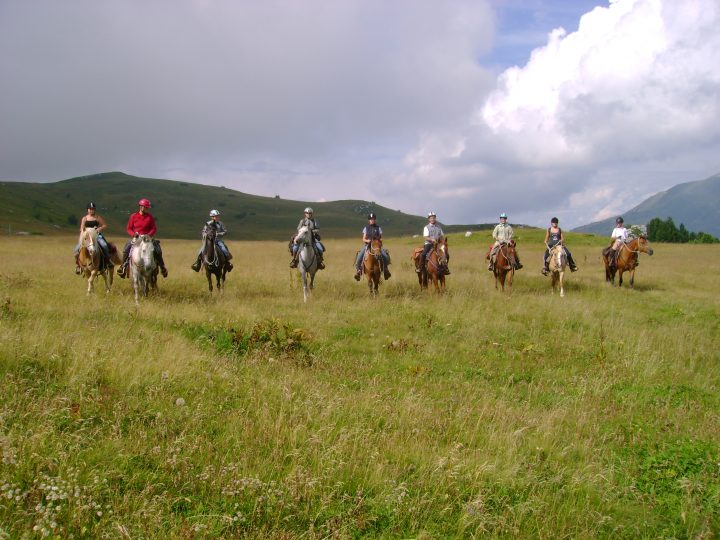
(695,204)
(180,209)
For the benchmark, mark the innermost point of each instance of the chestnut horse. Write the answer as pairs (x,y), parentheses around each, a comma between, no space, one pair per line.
(213,259)
(435,266)
(504,268)
(92,262)
(557,264)
(627,259)
(372,265)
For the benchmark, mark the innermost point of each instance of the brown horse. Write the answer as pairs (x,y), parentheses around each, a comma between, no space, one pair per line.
(435,267)
(372,265)
(504,267)
(92,262)
(626,260)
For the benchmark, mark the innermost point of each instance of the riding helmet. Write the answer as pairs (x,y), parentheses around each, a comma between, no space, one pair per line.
(554,220)
(432,214)
(503,215)
(308,210)
(619,220)
(91,205)
(214,213)
(372,215)
(145,203)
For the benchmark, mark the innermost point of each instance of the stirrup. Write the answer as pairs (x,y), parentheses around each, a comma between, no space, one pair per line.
(196,266)
(77,270)
(544,271)
(321,265)
(164,272)
(293,263)
(229,266)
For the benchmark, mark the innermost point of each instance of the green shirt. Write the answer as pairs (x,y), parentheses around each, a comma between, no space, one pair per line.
(502,232)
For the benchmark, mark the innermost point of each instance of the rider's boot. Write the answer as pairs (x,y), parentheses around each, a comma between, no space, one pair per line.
(163,271)
(229,266)
(447,270)
(546,270)
(122,271)
(196,265)
(321,264)
(518,265)
(294,262)
(386,273)
(77,265)
(611,259)
(358,273)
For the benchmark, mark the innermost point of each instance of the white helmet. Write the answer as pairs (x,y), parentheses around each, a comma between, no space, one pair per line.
(432,214)
(214,213)
(308,210)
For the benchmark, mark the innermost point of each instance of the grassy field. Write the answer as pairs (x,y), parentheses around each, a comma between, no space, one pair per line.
(473,414)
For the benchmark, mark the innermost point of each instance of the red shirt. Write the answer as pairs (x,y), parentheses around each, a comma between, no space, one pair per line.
(141,224)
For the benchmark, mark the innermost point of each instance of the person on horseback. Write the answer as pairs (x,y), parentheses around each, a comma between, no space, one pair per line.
(220,231)
(502,233)
(309,221)
(553,237)
(432,234)
(142,222)
(371,231)
(619,237)
(92,219)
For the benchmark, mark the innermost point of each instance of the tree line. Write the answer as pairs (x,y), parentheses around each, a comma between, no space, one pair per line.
(666,231)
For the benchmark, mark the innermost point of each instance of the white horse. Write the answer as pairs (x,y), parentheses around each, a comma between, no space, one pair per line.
(557,264)
(307,259)
(90,260)
(144,267)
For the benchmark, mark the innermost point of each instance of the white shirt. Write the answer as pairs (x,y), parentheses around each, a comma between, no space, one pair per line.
(620,233)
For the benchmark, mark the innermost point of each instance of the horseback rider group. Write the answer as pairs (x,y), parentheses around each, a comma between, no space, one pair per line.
(143,223)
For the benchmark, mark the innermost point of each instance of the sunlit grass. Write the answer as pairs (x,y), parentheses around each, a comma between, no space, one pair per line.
(252,414)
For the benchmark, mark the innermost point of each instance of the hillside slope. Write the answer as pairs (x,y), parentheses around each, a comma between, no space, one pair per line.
(696,204)
(179,208)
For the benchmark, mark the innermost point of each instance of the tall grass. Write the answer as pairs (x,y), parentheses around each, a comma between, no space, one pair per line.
(251,414)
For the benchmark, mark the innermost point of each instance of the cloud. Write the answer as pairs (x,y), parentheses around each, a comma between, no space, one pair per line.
(387,101)
(586,125)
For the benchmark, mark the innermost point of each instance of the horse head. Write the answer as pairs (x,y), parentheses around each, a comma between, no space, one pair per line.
(375,248)
(643,244)
(441,251)
(303,236)
(88,239)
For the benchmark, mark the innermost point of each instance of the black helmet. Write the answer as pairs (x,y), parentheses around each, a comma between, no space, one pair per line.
(554,220)
(372,215)
(619,220)
(91,205)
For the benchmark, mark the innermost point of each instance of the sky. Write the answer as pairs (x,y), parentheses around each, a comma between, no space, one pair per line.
(579,109)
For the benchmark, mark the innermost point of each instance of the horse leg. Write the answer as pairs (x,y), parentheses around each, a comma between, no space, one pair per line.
(632,278)
(208,275)
(510,276)
(305,285)
(562,289)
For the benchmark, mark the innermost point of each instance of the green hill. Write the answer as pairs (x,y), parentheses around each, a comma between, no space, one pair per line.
(180,208)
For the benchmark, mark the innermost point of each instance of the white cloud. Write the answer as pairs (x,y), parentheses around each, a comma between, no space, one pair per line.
(634,90)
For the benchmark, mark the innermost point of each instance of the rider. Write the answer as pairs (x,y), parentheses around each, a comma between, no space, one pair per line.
(432,234)
(554,236)
(371,232)
(92,219)
(309,221)
(619,237)
(220,231)
(502,233)
(142,222)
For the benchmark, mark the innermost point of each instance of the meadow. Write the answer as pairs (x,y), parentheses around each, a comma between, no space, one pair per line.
(468,415)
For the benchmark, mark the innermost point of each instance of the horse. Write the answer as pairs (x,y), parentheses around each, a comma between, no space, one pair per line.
(307,259)
(143,266)
(213,260)
(435,266)
(372,265)
(92,261)
(557,264)
(504,267)
(627,259)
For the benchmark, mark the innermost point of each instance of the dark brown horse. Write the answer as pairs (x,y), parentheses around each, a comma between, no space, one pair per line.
(626,260)
(435,267)
(372,265)
(504,267)
(213,260)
